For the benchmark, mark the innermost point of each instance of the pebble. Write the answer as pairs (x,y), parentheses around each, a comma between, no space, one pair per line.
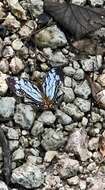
(17,44)
(18,154)
(79,74)
(84,105)
(27,29)
(4,65)
(13,134)
(73,111)
(69,95)
(2,11)
(3,86)
(93,143)
(1,47)
(52,140)
(8,52)
(79,2)
(67,81)
(13,144)
(7,107)
(24,116)
(17,9)
(68,167)
(69,71)
(37,7)
(47,117)
(82,184)
(83,90)
(95,117)
(11,22)
(28,175)
(16,65)
(94,63)
(55,58)
(3,186)
(97,2)
(52,37)
(50,155)
(73,180)
(37,128)
(84,121)
(63,118)
(77,143)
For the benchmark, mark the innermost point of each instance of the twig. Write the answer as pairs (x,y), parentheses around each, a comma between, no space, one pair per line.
(6,156)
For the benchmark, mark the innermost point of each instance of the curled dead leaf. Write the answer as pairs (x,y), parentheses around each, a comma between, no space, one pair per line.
(102,145)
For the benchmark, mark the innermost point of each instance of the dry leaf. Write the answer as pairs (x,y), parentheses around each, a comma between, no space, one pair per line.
(75,19)
(102,145)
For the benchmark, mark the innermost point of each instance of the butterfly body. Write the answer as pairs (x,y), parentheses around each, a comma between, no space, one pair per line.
(45,98)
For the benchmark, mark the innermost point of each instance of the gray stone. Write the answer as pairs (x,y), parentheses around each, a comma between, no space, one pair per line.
(67,81)
(95,117)
(73,111)
(50,155)
(8,52)
(37,128)
(3,186)
(63,118)
(97,2)
(47,117)
(13,144)
(84,105)
(2,11)
(52,140)
(55,58)
(79,74)
(52,37)
(27,29)
(79,2)
(97,182)
(28,175)
(73,180)
(94,63)
(17,44)
(4,65)
(68,167)
(82,185)
(83,90)
(16,65)
(18,154)
(17,9)
(7,106)
(69,95)
(1,47)
(69,71)
(37,7)
(13,134)
(3,85)
(94,143)
(11,22)
(24,116)
(91,166)
(77,143)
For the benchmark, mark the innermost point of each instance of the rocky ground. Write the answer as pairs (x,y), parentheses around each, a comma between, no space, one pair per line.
(51,150)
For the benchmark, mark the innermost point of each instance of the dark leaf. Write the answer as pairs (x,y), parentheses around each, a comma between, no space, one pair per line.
(75,19)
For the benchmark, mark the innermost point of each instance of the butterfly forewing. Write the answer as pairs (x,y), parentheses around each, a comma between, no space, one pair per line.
(24,87)
(51,84)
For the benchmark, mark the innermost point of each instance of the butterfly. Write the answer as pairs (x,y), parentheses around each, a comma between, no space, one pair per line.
(45,97)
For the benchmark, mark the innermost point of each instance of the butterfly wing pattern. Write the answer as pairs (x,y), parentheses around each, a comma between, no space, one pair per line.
(23,87)
(51,84)
(44,99)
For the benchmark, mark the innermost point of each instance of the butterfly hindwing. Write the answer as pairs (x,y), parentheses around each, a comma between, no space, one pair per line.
(51,84)
(24,87)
